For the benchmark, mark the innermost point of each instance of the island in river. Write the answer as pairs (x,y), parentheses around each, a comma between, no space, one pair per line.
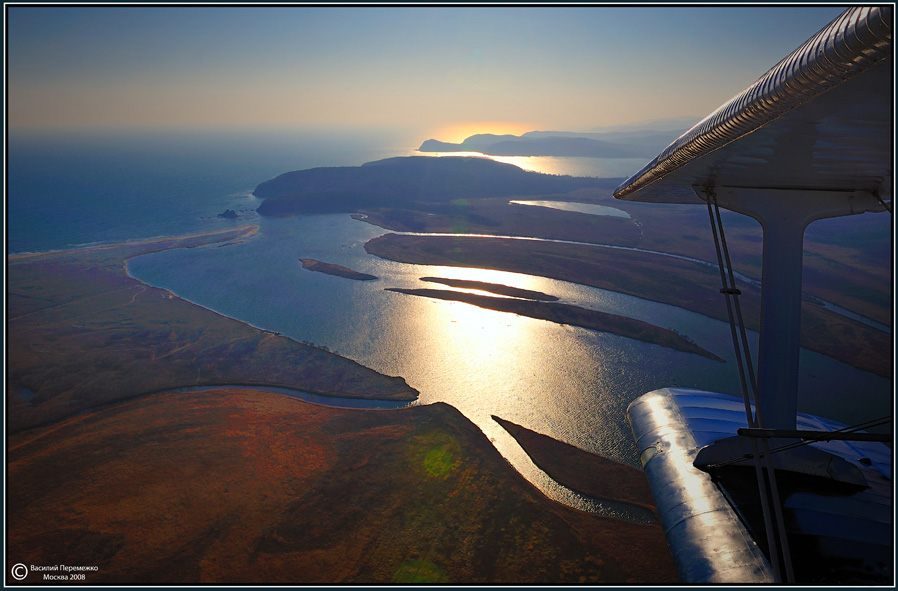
(687,284)
(112,465)
(336,270)
(571,315)
(506,290)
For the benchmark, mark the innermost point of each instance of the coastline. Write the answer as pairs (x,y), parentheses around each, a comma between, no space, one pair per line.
(257,487)
(243,231)
(83,333)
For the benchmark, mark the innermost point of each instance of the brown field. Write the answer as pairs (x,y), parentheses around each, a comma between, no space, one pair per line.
(106,469)
(256,488)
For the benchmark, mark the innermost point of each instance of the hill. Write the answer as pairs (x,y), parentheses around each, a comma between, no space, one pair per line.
(405,180)
(612,144)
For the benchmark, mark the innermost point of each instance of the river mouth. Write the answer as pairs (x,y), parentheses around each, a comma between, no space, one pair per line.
(569,383)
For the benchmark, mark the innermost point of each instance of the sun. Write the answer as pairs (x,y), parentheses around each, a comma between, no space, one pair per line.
(457,132)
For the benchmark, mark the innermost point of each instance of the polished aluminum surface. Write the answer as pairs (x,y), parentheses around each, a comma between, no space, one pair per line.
(820,119)
(709,542)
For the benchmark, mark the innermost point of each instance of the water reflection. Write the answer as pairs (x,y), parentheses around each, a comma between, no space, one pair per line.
(568,383)
(572,166)
(587,208)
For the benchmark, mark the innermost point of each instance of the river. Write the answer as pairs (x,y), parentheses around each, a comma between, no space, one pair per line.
(566,382)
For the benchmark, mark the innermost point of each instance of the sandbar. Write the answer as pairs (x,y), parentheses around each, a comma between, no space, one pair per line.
(583,471)
(515,292)
(571,315)
(337,270)
(107,468)
(682,283)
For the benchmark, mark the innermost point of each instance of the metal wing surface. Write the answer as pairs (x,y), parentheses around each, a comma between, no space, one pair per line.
(821,119)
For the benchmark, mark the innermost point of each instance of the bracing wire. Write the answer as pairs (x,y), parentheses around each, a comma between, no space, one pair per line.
(730,292)
(823,436)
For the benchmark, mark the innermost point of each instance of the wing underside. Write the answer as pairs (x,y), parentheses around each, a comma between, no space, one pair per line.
(821,119)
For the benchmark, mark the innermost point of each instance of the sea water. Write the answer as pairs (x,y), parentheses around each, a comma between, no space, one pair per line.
(566,382)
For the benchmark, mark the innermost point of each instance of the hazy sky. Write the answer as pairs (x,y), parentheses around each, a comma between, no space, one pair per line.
(434,69)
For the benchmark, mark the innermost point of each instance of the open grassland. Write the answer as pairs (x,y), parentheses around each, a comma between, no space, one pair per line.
(258,488)
(82,333)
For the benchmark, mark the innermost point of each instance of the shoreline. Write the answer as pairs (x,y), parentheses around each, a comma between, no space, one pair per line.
(246,229)
(300,485)
(82,332)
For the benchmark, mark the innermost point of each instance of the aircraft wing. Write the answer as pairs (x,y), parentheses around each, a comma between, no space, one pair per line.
(821,119)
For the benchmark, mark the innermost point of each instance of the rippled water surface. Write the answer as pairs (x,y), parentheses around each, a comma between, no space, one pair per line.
(569,383)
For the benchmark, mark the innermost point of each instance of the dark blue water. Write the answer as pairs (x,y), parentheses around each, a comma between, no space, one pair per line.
(66,190)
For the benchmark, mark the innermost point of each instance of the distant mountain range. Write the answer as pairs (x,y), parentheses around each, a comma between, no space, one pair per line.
(607,144)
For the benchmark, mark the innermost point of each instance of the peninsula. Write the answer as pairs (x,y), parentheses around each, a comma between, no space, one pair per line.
(337,270)
(231,487)
(83,334)
(620,144)
(582,471)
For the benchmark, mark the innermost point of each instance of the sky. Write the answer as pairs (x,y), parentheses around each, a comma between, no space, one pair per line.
(444,72)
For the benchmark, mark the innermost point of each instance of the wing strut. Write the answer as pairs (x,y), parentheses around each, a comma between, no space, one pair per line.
(754,420)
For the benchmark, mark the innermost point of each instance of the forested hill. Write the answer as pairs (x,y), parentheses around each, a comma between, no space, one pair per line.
(403,180)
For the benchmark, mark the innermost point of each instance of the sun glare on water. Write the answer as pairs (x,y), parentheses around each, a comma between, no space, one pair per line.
(475,338)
